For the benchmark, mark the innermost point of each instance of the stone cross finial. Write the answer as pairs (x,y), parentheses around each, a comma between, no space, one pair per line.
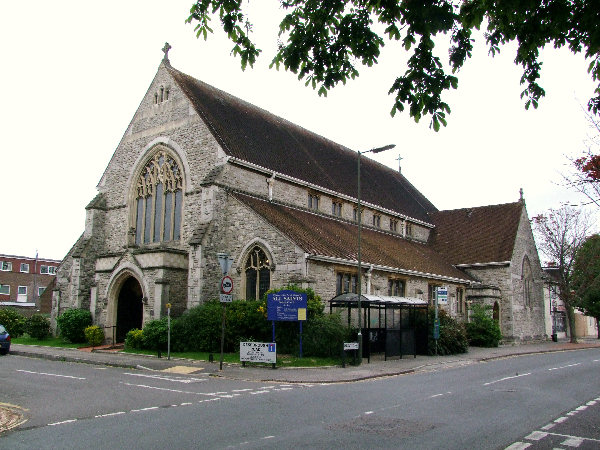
(399,159)
(165,50)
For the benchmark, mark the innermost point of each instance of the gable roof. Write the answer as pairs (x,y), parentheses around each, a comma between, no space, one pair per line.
(479,235)
(254,135)
(324,236)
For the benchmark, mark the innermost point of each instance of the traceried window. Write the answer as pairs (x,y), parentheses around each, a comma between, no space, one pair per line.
(313,201)
(376,220)
(258,274)
(158,202)
(393,225)
(336,208)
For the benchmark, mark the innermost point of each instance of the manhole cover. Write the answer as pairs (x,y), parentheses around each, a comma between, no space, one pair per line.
(388,426)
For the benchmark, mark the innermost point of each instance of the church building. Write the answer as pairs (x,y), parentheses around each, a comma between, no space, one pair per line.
(200,172)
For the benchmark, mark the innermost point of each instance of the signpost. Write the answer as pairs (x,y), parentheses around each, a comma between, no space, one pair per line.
(287,306)
(225,295)
(168,331)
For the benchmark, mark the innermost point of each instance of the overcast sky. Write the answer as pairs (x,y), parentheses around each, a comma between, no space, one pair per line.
(74,73)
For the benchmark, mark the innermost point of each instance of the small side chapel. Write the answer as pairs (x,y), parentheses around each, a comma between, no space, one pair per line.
(200,172)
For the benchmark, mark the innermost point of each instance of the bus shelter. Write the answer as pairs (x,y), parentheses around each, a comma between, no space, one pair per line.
(392,326)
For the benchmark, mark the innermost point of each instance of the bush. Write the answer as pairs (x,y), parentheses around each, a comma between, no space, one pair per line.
(154,336)
(72,324)
(453,337)
(94,335)
(134,339)
(12,321)
(324,336)
(483,330)
(198,329)
(38,326)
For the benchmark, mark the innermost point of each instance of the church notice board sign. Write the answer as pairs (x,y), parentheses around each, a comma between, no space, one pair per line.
(286,306)
(263,352)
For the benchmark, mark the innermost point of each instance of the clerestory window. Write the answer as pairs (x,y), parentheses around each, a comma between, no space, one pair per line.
(158,202)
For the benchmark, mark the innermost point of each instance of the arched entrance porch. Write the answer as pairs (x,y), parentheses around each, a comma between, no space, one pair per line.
(129,308)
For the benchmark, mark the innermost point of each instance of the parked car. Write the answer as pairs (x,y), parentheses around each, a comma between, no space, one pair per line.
(4,341)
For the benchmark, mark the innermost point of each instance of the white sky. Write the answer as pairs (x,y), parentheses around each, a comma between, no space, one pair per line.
(74,73)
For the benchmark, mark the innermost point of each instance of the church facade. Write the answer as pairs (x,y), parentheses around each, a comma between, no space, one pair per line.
(200,172)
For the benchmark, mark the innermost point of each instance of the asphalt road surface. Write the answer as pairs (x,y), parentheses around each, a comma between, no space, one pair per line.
(547,400)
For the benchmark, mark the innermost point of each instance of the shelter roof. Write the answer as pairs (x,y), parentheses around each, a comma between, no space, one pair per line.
(378,300)
(256,136)
(326,236)
(479,235)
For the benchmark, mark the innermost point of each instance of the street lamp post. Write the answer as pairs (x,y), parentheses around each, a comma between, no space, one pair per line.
(359,218)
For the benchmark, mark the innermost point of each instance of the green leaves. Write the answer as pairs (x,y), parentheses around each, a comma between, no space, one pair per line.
(322,41)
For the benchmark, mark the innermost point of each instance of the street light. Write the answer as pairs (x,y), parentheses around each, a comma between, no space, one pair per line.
(359,213)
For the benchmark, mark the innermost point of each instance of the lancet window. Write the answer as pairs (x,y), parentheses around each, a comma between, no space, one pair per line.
(258,274)
(159,198)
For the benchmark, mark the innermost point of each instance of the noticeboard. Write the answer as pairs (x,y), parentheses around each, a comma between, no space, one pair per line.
(263,352)
(442,294)
(286,306)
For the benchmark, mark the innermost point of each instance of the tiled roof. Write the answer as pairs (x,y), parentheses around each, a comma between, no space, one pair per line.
(256,136)
(320,235)
(477,235)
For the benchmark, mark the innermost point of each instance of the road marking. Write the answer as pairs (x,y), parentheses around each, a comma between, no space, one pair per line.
(536,436)
(518,446)
(62,423)
(150,408)
(51,374)
(166,378)
(507,378)
(565,367)
(118,413)
(268,437)
(572,442)
(561,419)
(549,426)
(178,391)
(368,413)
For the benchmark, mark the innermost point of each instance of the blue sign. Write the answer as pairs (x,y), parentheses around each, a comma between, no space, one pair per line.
(286,306)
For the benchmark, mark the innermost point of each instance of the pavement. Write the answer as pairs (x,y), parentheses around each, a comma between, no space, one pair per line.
(11,415)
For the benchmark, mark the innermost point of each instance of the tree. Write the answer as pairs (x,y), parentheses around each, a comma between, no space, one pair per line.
(586,278)
(586,178)
(326,39)
(560,234)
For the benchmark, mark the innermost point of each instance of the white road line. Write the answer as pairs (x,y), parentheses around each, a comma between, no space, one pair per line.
(61,423)
(565,367)
(268,437)
(167,378)
(150,408)
(536,436)
(518,446)
(561,419)
(549,426)
(50,374)
(572,442)
(507,378)
(241,390)
(118,413)
(178,391)
(368,413)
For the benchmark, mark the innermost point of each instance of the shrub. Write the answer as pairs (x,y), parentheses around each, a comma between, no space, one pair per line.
(198,329)
(483,330)
(38,326)
(324,336)
(94,335)
(72,324)
(154,336)
(453,337)
(134,339)
(12,321)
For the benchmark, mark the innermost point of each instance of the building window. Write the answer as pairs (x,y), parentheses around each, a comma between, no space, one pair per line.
(527,277)
(377,220)
(346,282)
(336,208)
(258,274)
(41,291)
(6,266)
(355,215)
(431,290)
(24,267)
(22,294)
(393,225)
(313,201)
(48,270)
(396,288)
(409,229)
(159,200)
(5,289)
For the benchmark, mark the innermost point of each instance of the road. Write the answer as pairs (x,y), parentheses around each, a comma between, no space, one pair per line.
(534,401)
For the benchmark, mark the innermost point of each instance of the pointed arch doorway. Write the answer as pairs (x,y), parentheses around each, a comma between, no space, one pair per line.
(130,308)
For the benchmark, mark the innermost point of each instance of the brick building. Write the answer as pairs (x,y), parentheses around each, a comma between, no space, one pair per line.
(199,172)
(23,281)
